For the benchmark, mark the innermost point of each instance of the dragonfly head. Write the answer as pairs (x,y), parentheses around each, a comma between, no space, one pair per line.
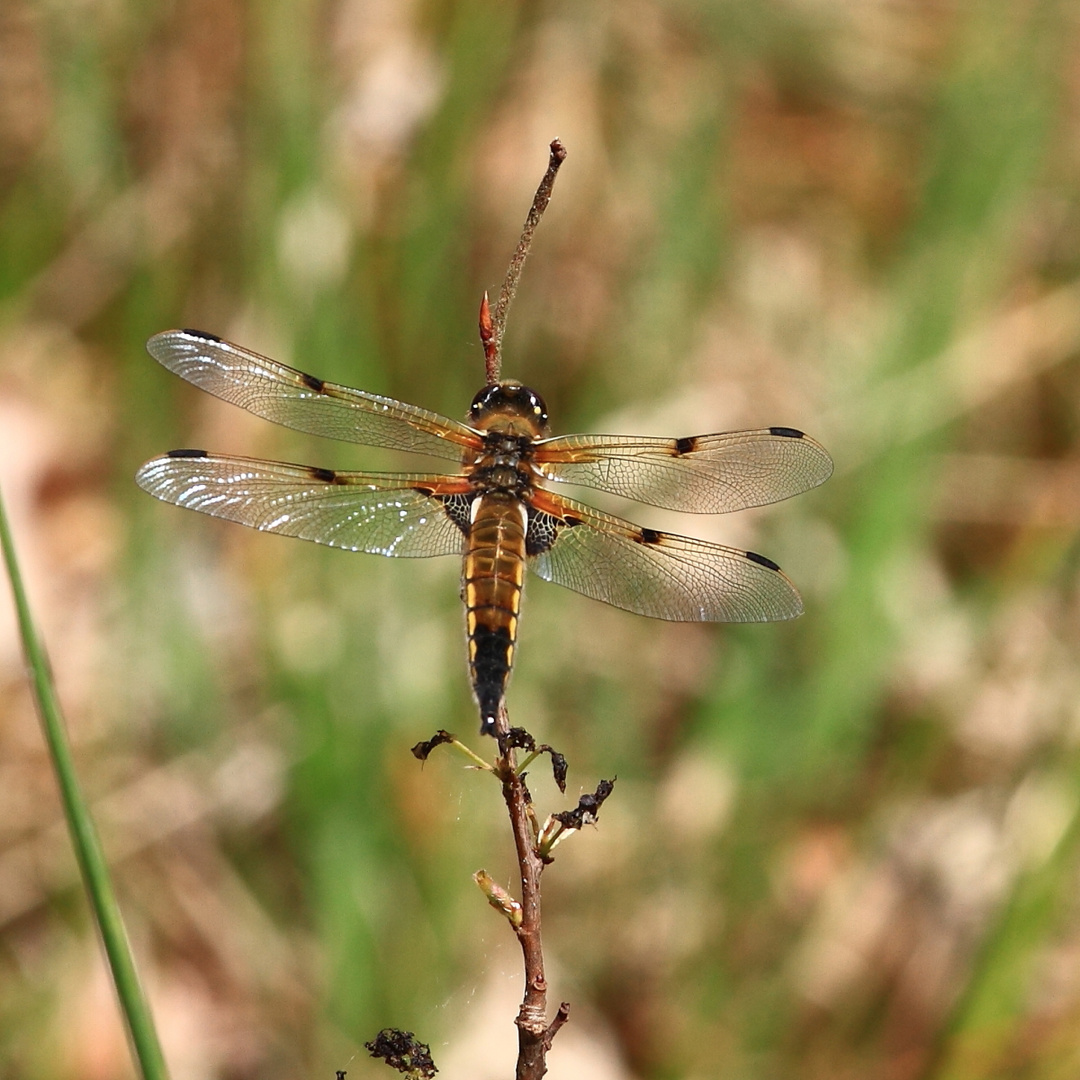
(511,408)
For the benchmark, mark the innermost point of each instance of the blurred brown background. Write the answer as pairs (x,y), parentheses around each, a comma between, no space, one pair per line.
(845,847)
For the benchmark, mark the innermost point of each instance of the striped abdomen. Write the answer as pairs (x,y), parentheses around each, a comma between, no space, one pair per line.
(493,576)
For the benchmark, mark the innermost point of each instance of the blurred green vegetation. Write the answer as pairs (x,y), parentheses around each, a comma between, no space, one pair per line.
(841,847)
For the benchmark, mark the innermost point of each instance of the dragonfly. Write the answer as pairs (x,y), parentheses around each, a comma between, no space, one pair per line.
(498,511)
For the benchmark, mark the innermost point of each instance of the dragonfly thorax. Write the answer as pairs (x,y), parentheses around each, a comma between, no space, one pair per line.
(511,473)
(505,463)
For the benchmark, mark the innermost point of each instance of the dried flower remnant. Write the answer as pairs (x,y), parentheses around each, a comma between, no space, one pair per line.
(518,738)
(559,826)
(403,1051)
(587,810)
(422,750)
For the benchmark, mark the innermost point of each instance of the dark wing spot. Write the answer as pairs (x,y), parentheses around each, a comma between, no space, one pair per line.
(324,476)
(649,536)
(571,520)
(203,334)
(542,531)
(312,383)
(187,453)
(761,560)
(686,445)
(787,432)
(458,508)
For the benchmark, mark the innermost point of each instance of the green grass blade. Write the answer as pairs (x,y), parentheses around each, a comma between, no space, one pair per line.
(84,837)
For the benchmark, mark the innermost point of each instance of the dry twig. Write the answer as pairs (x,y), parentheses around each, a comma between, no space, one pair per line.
(492,326)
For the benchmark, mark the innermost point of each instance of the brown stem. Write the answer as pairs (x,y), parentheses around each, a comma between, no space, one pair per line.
(493,344)
(534,1032)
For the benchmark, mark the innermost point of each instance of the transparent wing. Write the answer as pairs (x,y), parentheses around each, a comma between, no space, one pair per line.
(385,514)
(653,573)
(701,474)
(300,401)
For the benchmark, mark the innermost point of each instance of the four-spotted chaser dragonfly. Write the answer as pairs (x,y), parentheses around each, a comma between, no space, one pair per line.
(498,512)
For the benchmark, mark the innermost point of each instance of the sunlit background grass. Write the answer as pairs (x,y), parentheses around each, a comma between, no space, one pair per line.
(844,847)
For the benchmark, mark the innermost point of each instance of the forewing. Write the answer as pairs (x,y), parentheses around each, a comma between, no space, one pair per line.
(701,474)
(289,397)
(652,573)
(385,514)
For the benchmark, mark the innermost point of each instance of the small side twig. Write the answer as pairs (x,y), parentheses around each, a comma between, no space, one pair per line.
(492,326)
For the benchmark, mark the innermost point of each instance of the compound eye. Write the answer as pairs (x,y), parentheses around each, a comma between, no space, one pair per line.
(539,409)
(482,400)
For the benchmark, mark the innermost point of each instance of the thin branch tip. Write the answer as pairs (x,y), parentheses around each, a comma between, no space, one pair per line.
(493,349)
(553,1028)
